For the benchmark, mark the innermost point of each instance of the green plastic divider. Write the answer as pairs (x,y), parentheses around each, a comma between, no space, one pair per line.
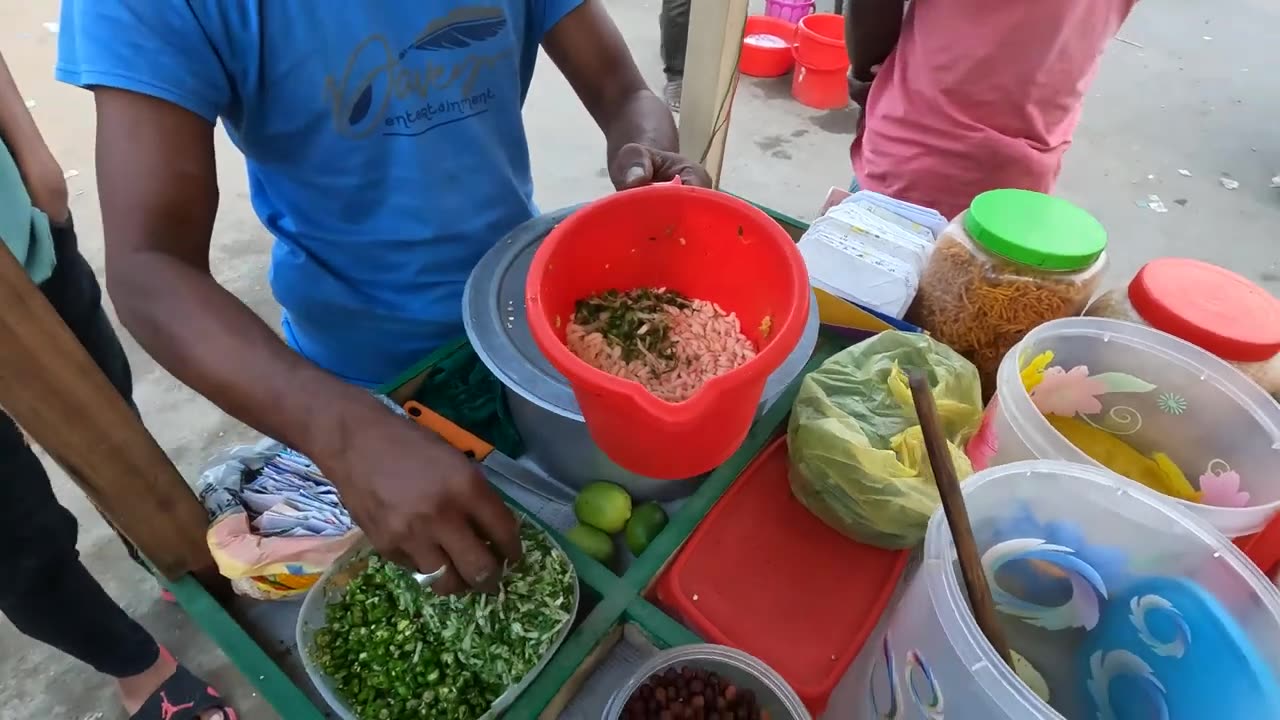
(665,631)
(243,652)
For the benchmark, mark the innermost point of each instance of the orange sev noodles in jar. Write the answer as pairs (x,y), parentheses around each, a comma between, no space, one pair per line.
(1014,260)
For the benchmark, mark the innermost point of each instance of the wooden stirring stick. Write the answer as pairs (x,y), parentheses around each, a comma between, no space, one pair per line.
(944,474)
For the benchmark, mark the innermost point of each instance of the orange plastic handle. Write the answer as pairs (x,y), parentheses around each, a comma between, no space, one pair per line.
(453,434)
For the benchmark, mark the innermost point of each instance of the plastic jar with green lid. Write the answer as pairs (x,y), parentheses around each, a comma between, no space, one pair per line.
(1208,306)
(1014,260)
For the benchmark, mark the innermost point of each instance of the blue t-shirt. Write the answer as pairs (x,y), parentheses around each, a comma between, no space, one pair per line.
(384,142)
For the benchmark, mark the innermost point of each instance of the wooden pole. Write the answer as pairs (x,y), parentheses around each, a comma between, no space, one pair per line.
(710,80)
(51,387)
(944,475)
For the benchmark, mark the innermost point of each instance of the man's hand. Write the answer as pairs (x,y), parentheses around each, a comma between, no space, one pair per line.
(638,127)
(635,165)
(422,503)
(859,90)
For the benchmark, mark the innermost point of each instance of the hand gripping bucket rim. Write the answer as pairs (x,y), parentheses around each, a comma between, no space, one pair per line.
(651,421)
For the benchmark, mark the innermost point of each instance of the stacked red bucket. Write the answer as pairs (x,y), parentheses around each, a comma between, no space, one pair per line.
(822,63)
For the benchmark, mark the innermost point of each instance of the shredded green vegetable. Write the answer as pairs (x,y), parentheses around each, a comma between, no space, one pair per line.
(636,321)
(396,651)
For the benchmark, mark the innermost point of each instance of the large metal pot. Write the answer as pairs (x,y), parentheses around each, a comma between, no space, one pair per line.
(541,402)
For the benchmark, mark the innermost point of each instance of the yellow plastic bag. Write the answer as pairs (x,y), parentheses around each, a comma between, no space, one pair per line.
(858,460)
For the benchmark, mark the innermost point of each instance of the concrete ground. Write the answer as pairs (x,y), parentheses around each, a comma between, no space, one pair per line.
(1186,89)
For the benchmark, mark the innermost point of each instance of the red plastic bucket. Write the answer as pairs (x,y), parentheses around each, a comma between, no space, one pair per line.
(820,42)
(705,244)
(822,63)
(762,60)
(820,89)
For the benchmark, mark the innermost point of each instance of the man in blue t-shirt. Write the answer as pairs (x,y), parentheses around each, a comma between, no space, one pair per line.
(386,154)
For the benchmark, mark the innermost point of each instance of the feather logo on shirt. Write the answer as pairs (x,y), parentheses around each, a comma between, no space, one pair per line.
(461,28)
(392,93)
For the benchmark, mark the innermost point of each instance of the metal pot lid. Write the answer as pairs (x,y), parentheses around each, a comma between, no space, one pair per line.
(494,317)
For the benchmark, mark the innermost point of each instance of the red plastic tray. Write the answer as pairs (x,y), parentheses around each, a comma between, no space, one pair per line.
(762,574)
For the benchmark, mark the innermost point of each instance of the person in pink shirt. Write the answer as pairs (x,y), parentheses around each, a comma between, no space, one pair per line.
(963,96)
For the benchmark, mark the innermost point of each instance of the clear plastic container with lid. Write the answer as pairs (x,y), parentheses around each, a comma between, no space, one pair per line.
(1014,260)
(1207,306)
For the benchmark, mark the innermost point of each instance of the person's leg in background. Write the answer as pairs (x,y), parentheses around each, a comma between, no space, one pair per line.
(674,25)
(46,592)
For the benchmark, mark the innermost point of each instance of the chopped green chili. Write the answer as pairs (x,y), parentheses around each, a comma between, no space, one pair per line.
(394,650)
(637,321)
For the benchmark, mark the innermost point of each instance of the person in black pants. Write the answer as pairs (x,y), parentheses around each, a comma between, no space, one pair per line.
(45,591)
(674,26)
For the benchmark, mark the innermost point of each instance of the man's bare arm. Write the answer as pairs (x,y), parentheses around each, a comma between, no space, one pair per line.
(159,199)
(422,503)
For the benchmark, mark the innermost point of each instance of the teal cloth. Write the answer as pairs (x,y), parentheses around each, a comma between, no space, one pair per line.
(23,228)
(461,388)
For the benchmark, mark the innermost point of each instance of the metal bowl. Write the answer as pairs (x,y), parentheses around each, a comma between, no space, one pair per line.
(540,399)
(330,587)
(740,668)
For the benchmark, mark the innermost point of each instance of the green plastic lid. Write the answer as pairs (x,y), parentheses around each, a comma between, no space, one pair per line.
(1035,229)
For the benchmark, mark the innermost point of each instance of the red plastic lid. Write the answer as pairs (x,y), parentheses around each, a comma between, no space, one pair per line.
(764,575)
(1208,306)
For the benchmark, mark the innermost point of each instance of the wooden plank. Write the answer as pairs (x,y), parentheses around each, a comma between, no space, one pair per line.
(710,80)
(51,387)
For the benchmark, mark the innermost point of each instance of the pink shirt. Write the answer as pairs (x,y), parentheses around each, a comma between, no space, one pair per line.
(981,94)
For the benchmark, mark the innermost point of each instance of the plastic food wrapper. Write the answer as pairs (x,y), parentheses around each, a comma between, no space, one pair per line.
(272,532)
(275,522)
(858,459)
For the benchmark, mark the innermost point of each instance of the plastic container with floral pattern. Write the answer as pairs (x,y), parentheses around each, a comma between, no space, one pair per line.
(1207,306)
(1146,406)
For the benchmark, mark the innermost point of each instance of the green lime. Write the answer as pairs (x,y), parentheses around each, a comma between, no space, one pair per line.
(603,506)
(645,524)
(592,542)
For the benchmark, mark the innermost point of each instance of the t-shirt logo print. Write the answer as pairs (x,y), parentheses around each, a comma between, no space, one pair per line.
(361,100)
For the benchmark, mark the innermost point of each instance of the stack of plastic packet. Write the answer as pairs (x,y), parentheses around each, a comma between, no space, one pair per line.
(871,249)
(290,497)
